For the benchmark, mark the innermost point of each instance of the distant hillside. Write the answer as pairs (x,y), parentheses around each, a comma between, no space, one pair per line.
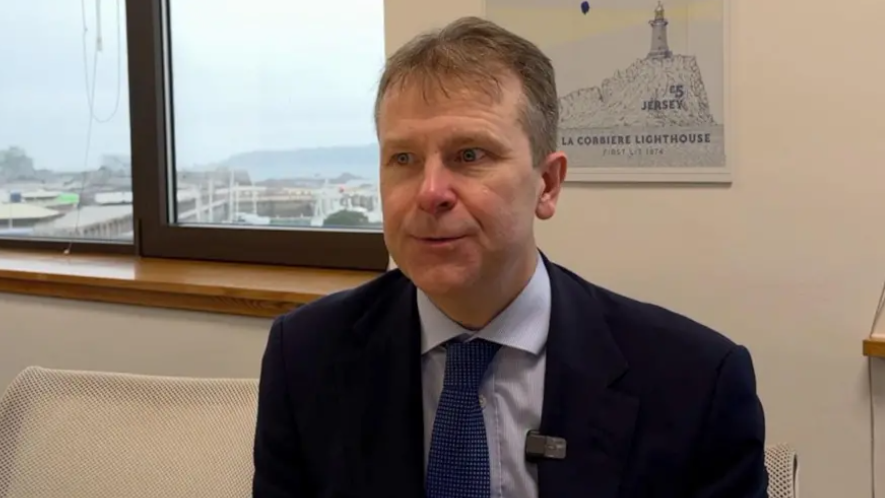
(327,162)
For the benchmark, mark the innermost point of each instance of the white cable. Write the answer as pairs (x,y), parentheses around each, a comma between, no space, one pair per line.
(98,44)
(90,85)
(90,96)
(876,317)
(879,307)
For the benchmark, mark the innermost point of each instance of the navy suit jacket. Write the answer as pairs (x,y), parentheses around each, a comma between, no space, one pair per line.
(651,404)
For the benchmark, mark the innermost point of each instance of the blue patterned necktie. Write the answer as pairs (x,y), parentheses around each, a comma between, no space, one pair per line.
(458,465)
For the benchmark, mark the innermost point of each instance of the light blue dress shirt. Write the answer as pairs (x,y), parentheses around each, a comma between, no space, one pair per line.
(512,394)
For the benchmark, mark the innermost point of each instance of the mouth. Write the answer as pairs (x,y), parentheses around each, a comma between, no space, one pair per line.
(439,241)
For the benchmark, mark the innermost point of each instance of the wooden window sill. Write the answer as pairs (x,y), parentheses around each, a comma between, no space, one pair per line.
(238,289)
(874,347)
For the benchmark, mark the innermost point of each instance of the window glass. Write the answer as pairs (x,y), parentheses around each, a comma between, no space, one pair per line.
(271,106)
(64,121)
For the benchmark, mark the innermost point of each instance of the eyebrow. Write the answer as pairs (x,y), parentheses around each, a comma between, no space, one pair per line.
(473,137)
(459,138)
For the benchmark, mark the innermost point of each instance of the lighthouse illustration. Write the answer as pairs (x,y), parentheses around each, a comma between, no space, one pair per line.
(659,47)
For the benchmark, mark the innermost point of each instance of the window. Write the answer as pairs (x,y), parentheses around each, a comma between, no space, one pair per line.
(234,131)
(64,126)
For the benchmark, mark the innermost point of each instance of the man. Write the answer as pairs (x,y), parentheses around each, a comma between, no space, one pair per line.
(479,368)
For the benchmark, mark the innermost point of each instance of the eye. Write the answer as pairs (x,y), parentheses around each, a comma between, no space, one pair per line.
(402,158)
(471,155)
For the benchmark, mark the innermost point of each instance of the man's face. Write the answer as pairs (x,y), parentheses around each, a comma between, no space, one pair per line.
(458,188)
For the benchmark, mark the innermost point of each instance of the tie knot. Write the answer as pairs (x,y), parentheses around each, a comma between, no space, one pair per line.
(467,362)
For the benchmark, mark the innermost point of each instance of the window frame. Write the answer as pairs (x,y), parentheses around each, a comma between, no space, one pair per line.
(151,134)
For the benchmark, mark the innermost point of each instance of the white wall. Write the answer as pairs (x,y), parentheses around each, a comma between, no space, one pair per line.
(788,261)
(59,333)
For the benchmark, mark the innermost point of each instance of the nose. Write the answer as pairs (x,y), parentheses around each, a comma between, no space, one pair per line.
(436,194)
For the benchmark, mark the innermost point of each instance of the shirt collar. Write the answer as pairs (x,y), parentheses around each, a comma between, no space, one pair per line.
(523,325)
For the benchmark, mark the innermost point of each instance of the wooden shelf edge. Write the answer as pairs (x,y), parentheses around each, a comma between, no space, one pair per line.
(243,306)
(234,289)
(874,347)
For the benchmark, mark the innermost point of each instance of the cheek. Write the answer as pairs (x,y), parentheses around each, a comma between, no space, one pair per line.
(394,203)
(503,212)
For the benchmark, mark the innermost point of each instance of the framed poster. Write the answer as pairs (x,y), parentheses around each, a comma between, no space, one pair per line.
(641,83)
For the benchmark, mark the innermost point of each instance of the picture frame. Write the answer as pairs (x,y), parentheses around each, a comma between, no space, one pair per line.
(642,84)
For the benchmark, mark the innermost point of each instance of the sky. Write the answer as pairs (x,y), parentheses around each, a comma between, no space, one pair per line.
(262,74)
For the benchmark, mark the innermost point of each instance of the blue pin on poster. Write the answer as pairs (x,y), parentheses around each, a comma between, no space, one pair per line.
(585,7)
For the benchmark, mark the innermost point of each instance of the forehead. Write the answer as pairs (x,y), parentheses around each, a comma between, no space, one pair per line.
(427,104)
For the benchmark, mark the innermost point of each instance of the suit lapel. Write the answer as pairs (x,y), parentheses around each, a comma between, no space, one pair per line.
(383,393)
(597,422)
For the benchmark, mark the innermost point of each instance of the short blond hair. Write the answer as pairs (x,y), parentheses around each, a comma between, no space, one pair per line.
(478,52)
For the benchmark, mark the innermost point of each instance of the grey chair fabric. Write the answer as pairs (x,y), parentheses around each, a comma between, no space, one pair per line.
(72,434)
(782,463)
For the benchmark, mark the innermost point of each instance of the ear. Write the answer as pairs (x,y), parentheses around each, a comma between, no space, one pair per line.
(552,174)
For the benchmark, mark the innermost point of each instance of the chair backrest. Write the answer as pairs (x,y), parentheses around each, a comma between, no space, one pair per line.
(71,434)
(782,463)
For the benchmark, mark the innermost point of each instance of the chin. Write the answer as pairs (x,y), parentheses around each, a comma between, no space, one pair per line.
(441,279)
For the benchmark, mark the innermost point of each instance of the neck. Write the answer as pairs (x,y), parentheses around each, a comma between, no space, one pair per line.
(474,310)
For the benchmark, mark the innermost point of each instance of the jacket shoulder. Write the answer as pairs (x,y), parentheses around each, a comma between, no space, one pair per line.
(638,325)
(320,324)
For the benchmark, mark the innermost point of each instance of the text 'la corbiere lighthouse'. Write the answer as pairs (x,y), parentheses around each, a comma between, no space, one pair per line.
(659,47)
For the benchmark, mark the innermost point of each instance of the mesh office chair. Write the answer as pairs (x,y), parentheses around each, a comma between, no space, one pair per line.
(69,434)
(782,464)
